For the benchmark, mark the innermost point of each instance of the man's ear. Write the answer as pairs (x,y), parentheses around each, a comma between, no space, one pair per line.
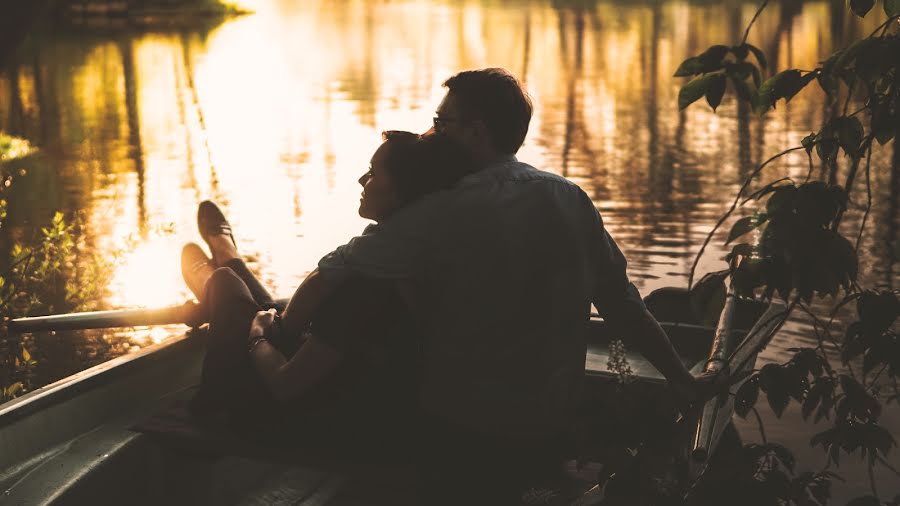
(480,131)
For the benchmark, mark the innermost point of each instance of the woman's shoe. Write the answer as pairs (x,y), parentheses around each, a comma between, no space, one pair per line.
(196,269)
(211,221)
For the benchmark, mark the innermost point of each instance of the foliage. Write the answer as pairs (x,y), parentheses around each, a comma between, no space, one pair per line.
(794,248)
(618,362)
(40,277)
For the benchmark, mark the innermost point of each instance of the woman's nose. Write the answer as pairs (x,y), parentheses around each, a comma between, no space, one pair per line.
(363,179)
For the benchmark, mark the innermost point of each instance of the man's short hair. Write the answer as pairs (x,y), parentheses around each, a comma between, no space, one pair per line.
(495,97)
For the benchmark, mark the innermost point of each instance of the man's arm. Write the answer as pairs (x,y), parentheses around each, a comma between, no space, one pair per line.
(620,304)
(392,250)
(653,343)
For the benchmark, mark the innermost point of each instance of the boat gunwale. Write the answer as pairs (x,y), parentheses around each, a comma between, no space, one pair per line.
(71,386)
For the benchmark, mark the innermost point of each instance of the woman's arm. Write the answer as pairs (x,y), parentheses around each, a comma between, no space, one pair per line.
(288,379)
(304,303)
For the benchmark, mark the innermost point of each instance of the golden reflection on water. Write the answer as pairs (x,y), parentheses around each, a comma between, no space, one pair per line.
(275,116)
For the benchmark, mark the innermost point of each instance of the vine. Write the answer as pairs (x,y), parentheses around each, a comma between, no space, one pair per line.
(801,253)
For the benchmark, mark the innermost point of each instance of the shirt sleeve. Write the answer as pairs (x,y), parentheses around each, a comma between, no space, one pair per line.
(393,250)
(614,296)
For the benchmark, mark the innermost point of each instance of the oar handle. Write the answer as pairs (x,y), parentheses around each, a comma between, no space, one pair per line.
(188,313)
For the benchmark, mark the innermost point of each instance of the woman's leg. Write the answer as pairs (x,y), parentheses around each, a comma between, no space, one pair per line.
(257,290)
(228,379)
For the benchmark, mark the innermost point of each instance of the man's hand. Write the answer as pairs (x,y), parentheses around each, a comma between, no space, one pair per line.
(261,323)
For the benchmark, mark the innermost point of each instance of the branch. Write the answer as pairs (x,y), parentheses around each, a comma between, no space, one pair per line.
(734,205)
(872,385)
(887,464)
(872,482)
(759,422)
(862,227)
(809,174)
(758,11)
(884,25)
(849,96)
(848,186)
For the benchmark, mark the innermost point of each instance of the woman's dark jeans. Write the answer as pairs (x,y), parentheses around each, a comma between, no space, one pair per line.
(455,466)
(228,381)
(233,296)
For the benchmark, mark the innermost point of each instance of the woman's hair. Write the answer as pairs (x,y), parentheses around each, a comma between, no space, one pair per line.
(422,164)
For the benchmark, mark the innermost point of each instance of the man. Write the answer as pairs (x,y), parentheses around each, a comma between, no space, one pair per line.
(505,266)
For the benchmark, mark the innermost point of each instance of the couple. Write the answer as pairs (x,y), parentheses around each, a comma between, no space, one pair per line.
(473,290)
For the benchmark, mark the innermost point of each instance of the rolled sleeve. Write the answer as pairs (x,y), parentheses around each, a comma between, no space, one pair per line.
(393,250)
(615,296)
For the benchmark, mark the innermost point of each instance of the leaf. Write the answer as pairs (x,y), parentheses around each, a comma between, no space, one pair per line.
(757,52)
(811,401)
(829,84)
(792,88)
(782,200)
(861,7)
(883,125)
(689,67)
(871,360)
(745,225)
(715,90)
(13,389)
(891,7)
(783,455)
(740,52)
(692,91)
(784,85)
(773,380)
(708,61)
(850,134)
(808,142)
(743,249)
(850,54)
(827,149)
(743,90)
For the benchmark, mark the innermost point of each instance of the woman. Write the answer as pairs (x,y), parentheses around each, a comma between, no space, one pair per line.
(357,354)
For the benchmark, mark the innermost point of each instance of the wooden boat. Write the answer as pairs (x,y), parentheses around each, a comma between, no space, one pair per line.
(70,443)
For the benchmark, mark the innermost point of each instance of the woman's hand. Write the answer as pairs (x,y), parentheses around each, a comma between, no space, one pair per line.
(262,323)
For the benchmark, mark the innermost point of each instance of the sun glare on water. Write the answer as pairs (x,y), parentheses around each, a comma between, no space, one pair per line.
(148,275)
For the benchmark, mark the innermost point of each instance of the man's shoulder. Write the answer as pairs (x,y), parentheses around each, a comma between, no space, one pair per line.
(546,175)
(516,170)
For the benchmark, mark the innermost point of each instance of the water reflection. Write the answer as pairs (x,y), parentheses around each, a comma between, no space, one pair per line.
(275,116)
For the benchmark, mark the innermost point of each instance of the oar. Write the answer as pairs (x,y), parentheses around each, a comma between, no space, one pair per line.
(188,313)
(729,357)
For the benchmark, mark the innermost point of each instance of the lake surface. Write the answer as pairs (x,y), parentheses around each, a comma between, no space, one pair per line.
(275,115)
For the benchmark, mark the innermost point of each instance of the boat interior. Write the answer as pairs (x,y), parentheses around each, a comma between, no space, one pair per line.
(73,442)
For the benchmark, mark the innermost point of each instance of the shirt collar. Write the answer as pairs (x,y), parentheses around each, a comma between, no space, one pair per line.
(501,162)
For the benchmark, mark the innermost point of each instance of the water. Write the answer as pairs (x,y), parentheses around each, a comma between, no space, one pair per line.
(275,116)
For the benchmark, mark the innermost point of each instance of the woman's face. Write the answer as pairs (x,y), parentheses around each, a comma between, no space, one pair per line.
(379,196)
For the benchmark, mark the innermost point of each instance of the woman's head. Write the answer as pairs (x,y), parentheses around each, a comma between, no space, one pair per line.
(407,166)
